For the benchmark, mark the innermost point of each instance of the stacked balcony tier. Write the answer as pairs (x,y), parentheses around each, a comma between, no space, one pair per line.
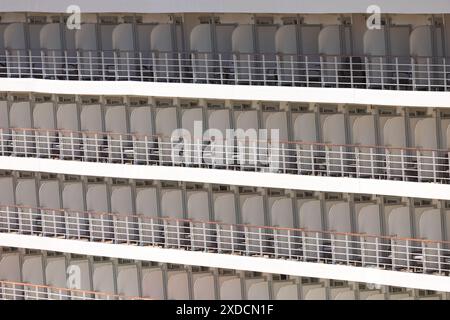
(404,56)
(30,275)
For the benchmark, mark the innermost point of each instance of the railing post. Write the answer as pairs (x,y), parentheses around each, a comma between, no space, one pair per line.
(127,55)
(152,232)
(347,255)
(277,57)
(433,159)
(206,67)
(393,262)
(178,233)
(413,70)
(49,151)
(232,238)
(428,74)
(96,147)
(341,160)
(307,71)
(121,148)
(30,58)
(419,166)
(289,243)
(333,251)
(102,54)
(90,65)
(445,73)
(155,67)
(424,255)
(180,71)
(166,61)
(141,66)
(402,160)
(351,72)
(220,68)
(66,65)
(2,146)
(116,67)
(264,69)
(322,78)
(25,140)
(327,160)
(205,246)
(236,69)
(8,219)
(54,65)
(102,223)
(19,67)
(363,253)
(218,238)
(407,254)
(358,164)
(304,245)
(336,71)
(382,73)
(397,73)
(275,242)
(367,67)
(249,70)
(260,242)
(439,257)
(78,225)
(377,253)
(317,247)
(72,146)
(372,169)
(292,71)
(246,235)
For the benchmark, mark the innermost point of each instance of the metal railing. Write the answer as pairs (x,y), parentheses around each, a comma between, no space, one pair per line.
(356,249)
(10,290)
(302,158)
(368,72)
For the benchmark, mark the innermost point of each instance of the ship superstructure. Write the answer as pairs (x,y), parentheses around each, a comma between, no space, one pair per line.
(224,150)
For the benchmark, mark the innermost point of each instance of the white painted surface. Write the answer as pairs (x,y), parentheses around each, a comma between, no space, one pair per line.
(435,99)
(220,6)
(241,178)
(215,260)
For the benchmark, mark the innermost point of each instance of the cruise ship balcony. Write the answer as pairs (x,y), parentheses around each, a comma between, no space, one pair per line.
(407,52)
(303,233)
(31,275)
(351,148)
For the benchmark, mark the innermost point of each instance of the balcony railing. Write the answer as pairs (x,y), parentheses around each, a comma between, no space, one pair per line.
(301,158)
(10,290)
(355,249)
(364,72)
